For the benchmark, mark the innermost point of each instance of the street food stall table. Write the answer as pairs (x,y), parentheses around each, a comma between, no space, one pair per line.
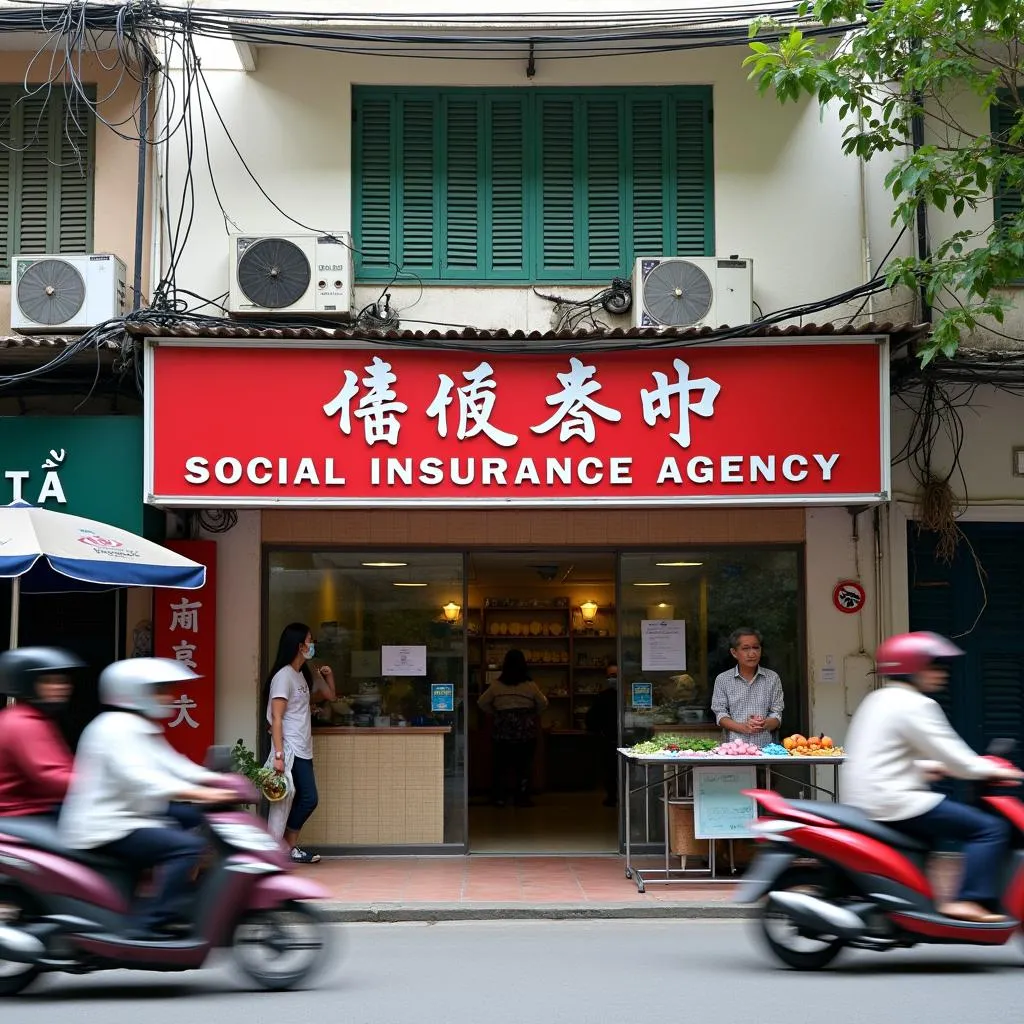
(676,781)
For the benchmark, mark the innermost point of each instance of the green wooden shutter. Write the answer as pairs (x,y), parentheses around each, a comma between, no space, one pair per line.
(505,156)
(6,186)
(461,178)
(694,229)
(375,221)
(649,171)
(603,186)
(71,178)
(46,173)
(418,160)
(1007,202)
(37,132)
(559,198)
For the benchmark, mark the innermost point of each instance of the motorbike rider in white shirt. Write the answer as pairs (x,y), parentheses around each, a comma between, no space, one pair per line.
(125,776)
(899,740)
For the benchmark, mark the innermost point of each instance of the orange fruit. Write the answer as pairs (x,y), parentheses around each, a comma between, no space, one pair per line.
(826,742)
(788,743)
(798,740)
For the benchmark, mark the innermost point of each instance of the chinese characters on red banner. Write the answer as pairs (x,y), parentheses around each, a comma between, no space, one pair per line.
(185,628)
(734,422)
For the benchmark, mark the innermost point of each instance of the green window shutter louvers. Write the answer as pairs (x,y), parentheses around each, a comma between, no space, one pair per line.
(6,185)
(417,174)
(693,176)
(47,173)
(462,179)
(604,237)
(376,228)
(482,185)
(506,163)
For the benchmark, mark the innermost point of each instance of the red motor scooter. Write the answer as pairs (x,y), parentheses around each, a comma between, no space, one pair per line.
(827,877)
(69,910)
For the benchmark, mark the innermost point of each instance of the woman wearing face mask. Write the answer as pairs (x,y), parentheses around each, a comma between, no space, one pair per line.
(290,690)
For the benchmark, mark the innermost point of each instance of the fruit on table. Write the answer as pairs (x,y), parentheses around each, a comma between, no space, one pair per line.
(738,748)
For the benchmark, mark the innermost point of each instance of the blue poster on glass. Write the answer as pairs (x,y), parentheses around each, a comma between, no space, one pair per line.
(643,695)
(442,697)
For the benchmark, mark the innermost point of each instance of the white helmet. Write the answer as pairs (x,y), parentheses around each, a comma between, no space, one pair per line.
(132,684)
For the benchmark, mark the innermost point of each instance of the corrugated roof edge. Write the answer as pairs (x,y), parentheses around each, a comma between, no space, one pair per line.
(898,332)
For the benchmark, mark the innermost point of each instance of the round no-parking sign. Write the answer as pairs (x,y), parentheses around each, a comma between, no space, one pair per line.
(848,596)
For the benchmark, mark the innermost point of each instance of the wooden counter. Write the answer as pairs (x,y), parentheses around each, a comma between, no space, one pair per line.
(378,787)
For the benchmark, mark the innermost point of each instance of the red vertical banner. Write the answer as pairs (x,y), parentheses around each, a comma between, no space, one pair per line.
(185,628)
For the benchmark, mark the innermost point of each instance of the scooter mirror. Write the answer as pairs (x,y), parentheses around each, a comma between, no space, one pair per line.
(218,759)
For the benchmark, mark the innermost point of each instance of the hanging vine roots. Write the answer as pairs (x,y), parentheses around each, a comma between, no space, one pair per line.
(938,511)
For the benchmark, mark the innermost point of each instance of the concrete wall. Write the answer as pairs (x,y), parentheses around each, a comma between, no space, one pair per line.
(785,194)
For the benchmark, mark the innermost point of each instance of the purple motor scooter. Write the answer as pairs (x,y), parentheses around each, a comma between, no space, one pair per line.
(69,910)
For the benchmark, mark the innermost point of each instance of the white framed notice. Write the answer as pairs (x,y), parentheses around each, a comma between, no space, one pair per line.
(663,645)
(720,810)
(403,661)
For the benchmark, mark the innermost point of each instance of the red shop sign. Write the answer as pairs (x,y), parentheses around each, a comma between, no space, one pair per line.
(732,423)
(185,628)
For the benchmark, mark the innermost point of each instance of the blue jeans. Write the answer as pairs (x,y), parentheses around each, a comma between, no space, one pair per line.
(985,841)
(306,796)
(173,852)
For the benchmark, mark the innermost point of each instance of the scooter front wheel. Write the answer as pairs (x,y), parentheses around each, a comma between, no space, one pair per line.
(283,947)
(784,937)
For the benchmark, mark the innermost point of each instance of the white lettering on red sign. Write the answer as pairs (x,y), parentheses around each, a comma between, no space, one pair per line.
(576,406)
(476,403)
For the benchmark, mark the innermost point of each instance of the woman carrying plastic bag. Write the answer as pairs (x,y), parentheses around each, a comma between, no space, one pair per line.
(289,691)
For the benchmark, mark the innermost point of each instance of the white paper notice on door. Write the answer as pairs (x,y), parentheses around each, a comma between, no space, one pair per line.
(403,661)
(663,645)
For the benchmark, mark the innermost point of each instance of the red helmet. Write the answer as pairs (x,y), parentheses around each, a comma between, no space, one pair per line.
(908,653)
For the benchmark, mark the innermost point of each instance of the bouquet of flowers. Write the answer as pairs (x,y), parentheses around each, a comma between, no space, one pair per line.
(272,785)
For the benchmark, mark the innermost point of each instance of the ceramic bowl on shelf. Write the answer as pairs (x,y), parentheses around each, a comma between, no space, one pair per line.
(555,628)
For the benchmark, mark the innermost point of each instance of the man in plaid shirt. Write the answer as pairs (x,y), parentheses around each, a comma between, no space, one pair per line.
(747,700)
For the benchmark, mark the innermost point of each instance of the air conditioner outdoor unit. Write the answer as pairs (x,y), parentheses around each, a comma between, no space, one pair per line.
(66,293)
(692,291)
(303,273)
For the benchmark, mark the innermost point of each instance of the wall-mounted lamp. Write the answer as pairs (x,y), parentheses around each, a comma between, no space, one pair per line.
(451,612)
(1018,461)
(588,609)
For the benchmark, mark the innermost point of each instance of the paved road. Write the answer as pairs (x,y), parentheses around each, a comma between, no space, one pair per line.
(557,972)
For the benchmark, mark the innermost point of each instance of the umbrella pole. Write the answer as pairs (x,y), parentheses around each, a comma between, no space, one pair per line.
(15,601)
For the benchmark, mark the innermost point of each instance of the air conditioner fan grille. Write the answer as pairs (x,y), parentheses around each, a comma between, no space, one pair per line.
(273,273)
(51,292)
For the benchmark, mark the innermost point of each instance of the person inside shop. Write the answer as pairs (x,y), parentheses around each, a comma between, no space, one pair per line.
(126,776)
(898,741)
(35,762)
(603,724)
(747,701)
(515,702)
(290,690)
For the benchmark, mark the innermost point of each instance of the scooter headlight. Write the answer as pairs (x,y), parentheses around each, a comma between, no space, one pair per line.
(247,837)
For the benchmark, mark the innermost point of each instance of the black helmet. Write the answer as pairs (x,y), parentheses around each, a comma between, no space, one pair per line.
(20,668)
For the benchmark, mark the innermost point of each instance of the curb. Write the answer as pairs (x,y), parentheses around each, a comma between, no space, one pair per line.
(434,912)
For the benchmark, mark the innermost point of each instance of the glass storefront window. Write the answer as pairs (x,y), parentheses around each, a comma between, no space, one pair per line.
(357,603)
(713,592)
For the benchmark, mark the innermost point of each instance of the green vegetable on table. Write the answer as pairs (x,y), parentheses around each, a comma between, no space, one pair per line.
(673,742)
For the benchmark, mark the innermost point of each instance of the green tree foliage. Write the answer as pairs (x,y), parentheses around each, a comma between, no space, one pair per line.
(890,62)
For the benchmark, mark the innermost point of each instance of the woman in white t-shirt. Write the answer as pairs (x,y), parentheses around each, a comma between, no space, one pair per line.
(290,690)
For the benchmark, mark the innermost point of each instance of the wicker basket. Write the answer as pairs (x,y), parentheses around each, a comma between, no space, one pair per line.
(681,837)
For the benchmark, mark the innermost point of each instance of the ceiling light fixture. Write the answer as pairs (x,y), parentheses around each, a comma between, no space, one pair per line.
(652,584)
(588,609)
(384,565)
(677,564)
(409,584)
(451,611)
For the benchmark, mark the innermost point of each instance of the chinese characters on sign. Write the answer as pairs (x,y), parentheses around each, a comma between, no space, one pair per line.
(185,628)
(736,423)
(574,415)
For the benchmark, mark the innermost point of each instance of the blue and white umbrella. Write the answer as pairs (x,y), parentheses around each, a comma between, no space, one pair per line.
(43,551)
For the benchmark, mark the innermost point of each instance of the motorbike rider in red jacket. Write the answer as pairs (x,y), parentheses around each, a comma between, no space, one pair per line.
(35,762)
